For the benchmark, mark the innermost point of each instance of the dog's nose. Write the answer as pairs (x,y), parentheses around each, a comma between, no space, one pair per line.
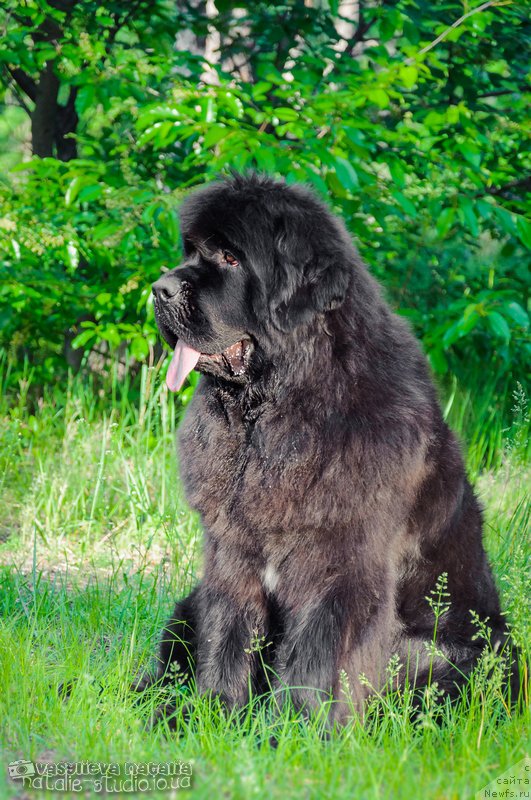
(166,287)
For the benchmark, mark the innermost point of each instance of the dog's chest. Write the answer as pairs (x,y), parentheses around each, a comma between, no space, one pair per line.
(213,446)
(248,481)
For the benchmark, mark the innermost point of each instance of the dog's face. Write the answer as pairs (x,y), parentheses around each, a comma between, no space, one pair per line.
(261,259)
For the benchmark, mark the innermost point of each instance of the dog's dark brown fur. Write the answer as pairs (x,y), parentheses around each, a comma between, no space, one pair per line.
(331,491)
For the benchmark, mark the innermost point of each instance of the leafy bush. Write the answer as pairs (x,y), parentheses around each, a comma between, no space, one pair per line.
(408,120)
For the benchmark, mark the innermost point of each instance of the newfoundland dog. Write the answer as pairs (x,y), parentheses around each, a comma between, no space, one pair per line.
(333,495)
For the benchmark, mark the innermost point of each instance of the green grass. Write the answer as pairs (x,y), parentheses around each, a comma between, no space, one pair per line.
(96,542)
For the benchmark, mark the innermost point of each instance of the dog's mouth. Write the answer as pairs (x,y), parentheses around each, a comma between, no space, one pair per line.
(233,360)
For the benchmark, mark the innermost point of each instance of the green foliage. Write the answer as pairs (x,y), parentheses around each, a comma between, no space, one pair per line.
(418,144)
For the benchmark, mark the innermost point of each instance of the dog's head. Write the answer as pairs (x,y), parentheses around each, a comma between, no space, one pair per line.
(261,260)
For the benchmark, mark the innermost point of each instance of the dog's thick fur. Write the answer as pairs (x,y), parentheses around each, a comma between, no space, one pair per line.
(331,491)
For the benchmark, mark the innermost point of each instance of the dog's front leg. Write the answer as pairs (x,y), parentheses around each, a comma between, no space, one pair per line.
(344,629)
(232,621)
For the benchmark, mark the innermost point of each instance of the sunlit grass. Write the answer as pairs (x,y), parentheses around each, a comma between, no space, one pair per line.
(97,543)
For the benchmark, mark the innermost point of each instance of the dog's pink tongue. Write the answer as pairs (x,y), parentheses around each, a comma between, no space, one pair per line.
(182,363)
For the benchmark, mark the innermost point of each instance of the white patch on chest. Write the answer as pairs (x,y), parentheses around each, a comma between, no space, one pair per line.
(270,578)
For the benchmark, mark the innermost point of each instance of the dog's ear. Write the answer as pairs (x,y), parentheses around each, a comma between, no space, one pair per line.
(313,270)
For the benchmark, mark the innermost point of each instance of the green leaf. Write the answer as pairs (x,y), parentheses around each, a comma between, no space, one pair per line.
(438,361)
(397,173)
(260,89)
(404,203)
(286,114)
(471,152)
(215,134)
(452,115)
(73,189)
(85,98)
(518,314)
(499,326)
(139,348)
(167,222)
(484,209)
(523,227)
(378,97)
(506,219)
(346,173)
(104,230)
(462,327)
(265,159)
(445,221)
(112,335)
(233,104)
(466,208)
(83,338)
(89,193)
(408,76)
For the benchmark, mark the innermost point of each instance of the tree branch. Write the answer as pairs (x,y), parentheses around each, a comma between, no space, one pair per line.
(17,94)
(521,183)
(23,80)
(359,33)
(500,92)
(454,25)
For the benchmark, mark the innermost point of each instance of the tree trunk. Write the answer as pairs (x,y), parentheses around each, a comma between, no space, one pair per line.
(67,120)
(52,123)
(44,116)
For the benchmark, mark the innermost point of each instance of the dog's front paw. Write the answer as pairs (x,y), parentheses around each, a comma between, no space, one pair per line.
(172,714)
(165,714)
(142,681)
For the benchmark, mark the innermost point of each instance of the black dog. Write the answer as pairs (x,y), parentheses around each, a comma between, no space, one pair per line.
(333,495)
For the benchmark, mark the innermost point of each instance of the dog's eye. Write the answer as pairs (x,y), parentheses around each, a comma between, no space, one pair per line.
(228,258)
